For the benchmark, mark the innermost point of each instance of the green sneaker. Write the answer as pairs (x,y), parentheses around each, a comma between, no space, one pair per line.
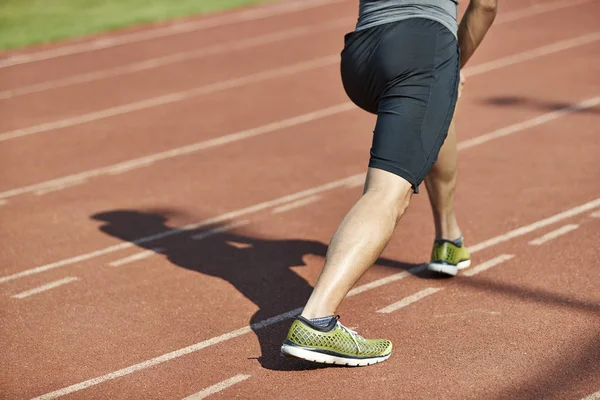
(333,344)
(447,257)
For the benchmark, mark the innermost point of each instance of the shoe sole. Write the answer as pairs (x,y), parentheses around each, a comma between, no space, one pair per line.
(447,268)
(316,357)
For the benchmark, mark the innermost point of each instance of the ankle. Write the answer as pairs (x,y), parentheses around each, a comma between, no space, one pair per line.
(322,322)
(447,228)
(315,314)
(457,242)
(455,237)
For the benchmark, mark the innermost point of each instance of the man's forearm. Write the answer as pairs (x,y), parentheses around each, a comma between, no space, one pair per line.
(474,25)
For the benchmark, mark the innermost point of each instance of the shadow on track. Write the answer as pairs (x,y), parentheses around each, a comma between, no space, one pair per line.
(259,268)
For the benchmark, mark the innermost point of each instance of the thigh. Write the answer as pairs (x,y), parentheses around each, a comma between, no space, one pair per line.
(359,78)
(416,107)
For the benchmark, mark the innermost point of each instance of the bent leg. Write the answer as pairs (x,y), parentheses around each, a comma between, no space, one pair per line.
(441,187)
(359,240)
(414,110)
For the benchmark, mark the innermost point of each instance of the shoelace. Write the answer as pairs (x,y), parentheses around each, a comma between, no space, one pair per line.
(353,335)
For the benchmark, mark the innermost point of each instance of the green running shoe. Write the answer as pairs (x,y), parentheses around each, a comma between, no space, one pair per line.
(333,344)
(447,257)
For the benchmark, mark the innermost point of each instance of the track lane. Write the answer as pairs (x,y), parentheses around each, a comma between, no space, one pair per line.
(42,107)
(158,184)
(56,68)
(139,281)
(546,188)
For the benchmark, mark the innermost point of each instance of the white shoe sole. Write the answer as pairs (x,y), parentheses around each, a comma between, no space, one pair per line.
(304,354)
(448,269)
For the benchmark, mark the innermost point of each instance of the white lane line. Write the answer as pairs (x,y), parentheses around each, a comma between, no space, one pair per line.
(275,126)
(144,161)
(194,147)
(359,181)
(218,387)
(136,257)
(157,62)
(296,204)
(488,264)
(172,97)
(259,207)
(109,42)
(484,245)
(220,229)
(536,225)
(387,280)
(273,320)
(67,183)
(244,16)
(554,234)
(174,29)
(595,214)
(267,75)
(211,221)
(45,287)
(169,356)
(534,53)
(409,300)
(530,123)
(593,396)
(475,310)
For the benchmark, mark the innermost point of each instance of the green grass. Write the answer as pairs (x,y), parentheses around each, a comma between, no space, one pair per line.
(27,22)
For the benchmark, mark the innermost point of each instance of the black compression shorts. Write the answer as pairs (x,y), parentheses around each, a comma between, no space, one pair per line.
(407,73)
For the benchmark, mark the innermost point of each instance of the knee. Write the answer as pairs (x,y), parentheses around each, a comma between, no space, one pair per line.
(391,192)
(394,201)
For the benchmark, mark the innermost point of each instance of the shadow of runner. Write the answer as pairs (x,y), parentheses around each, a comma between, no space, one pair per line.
(259,268)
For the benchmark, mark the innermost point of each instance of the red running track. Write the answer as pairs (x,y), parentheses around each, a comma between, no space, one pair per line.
(167,197)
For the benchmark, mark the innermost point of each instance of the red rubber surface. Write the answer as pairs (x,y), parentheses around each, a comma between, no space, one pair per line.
(527,328)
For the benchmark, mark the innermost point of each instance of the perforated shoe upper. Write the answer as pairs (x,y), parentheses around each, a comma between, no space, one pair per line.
(339,340)
(446,252)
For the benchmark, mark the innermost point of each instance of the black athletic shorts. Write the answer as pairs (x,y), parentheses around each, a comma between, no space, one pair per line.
(406,72)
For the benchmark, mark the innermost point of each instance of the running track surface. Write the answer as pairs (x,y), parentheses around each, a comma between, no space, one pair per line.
(168,193)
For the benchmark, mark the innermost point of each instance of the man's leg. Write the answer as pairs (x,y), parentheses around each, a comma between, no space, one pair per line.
(359,241)
(413,116)
(441,186)
(449,253)
(441,183)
